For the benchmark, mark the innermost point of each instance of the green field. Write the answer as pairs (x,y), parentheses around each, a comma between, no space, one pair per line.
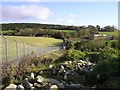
(6,31)
(34,41)
(115,33)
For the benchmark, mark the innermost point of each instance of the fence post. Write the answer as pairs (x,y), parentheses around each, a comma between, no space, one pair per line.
(28,49)
(6,50)
(16,50)
(23,49)
(31,49)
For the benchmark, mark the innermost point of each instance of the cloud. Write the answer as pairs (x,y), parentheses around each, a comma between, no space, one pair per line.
(71,21)
(68,20)
(25,12)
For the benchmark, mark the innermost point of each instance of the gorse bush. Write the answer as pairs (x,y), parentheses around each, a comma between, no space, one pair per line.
(75,55)
(108,54)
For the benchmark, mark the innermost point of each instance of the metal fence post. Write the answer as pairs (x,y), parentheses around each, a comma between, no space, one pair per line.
(17,53)
(23,49)
(31,49)
(28,49)
(6,50)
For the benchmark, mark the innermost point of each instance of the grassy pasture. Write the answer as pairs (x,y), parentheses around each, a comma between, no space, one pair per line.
(6,31)
(115,33)
(35,41)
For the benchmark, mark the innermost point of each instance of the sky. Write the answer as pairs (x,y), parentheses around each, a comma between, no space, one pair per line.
(65,13)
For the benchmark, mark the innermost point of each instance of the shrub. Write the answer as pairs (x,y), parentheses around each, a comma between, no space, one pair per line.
(93,57)
(108,54)
(106,70)
(75,55)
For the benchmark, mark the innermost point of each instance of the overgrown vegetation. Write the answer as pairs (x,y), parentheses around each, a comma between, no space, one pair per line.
(103,54)
(104,75)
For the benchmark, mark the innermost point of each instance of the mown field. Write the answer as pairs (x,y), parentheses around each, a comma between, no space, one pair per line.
(34,41)
(110,33)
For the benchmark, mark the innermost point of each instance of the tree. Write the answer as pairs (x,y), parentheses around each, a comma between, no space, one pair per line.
(92,29)
(109,28)
(98,27)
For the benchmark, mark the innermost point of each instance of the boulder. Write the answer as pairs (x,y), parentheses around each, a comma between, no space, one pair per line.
(54,87)
(65,77)
(68,72)
(20,87)
(37,85)
(72,85)
(62,67)
(79,65)
(89,63)
(29,86)
(32,75)
(25,82)
(40,79)
(54,81)
(41,72)
(66,63)
(94,86)
(40,85)
(70,62)
(11,87)
(51,66)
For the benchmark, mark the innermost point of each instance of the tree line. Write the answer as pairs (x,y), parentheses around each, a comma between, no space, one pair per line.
(54,31)
(18,26)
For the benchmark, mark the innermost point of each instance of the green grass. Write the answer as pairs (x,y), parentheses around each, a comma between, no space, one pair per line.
(34,41)
(6,31)
(115,33)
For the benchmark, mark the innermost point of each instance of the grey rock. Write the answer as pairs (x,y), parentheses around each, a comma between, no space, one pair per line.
(32,75)
(25,82)
(50,66)
(37,85)
(11,87)
(29,86)
(20,87)
(40,79)
(54,87)
(72,85)
(54,81)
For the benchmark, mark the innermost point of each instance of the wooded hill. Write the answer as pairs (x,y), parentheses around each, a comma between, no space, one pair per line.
(17,26)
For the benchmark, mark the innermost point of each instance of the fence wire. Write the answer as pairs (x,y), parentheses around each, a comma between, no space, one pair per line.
(12,49)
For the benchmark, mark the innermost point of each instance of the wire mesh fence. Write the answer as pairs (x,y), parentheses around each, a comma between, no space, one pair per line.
(12,49)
